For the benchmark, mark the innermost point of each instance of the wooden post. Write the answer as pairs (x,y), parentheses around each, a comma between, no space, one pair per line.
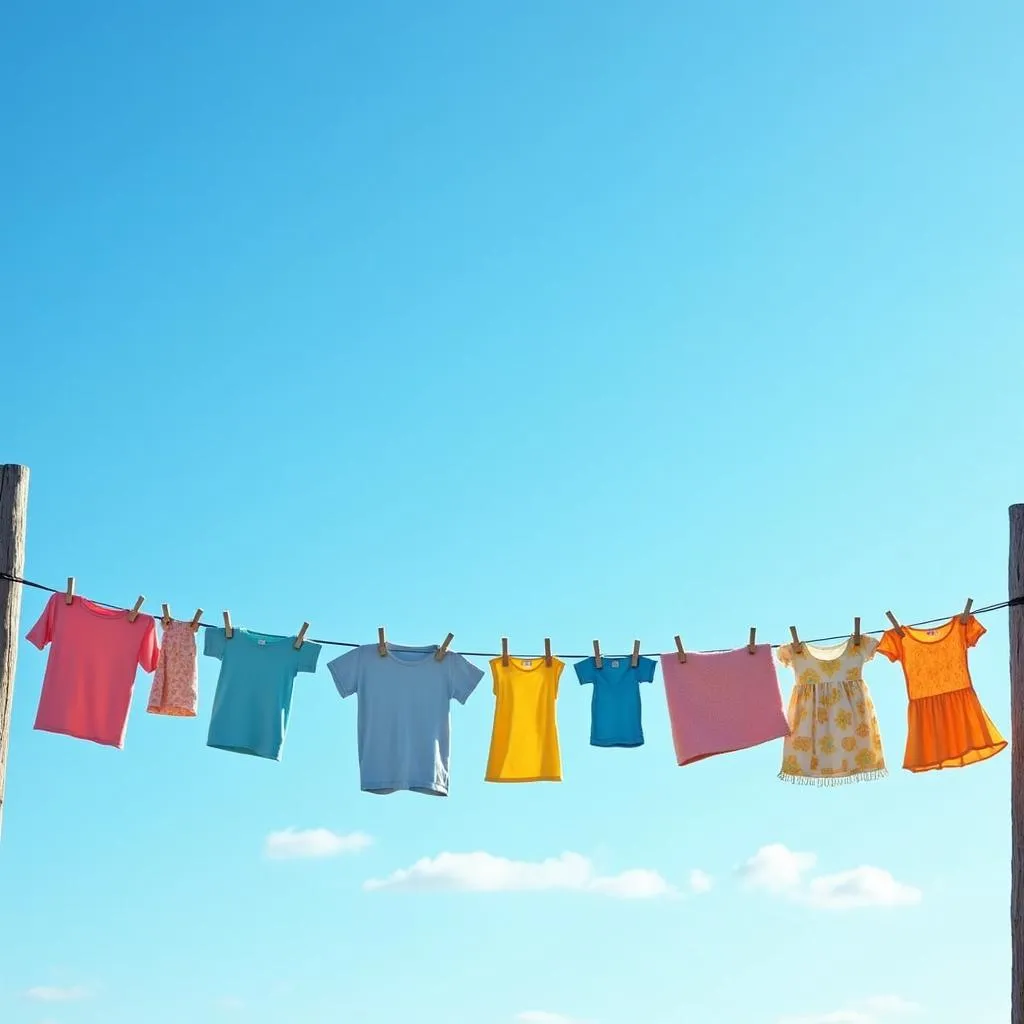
(13,515)
(1016,589)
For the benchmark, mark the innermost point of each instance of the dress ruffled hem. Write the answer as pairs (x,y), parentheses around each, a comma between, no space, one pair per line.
(833,780)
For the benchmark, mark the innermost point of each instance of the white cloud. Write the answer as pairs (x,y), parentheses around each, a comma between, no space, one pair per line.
(543,1017)
(861,887)
(57,993)
(836,1017)
(700,881)
(484,872)
(890,1006)
(291,843)
(776,868)
(875,1010)
(782,871)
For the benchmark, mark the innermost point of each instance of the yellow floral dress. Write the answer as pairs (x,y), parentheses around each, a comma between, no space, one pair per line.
(834,735)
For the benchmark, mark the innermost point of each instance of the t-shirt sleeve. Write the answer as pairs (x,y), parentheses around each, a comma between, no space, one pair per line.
(585,671)
(463,677)
(213,642)
(645,670)
(149,649)
(42,632)
(891,645)
(867,648)
(345,672)
(308,654)
(973,631)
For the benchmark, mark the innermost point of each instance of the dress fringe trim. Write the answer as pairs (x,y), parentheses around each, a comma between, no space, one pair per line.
(833,780)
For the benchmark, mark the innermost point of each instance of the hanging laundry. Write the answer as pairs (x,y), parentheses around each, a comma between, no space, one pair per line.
(404,713)
(90,673)
(524,739)
(834,735)
(946,725)
(254,689)
(721,702)
(615,715)
(175,689)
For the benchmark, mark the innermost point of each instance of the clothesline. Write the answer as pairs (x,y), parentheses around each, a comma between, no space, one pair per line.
(718,703)
(1019,600)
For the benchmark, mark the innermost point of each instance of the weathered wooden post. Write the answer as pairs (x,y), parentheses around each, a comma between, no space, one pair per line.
(13,517)
(1016,589)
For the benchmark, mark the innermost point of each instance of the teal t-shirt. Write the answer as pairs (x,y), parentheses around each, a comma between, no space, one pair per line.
(615,707)
(254,689)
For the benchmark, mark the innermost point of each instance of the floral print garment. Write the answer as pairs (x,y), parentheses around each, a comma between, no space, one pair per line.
(834,731)
(175,688)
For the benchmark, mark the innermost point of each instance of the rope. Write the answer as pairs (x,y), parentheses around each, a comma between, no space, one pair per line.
(984,610)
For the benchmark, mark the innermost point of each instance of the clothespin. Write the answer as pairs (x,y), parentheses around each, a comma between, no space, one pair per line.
(69,594)
(598,660)
(134,613)
(856,631)
(443,649)
(301,636)
(895,624)
(635,657)
(504,651)
(752,642)
(382,644)
(796,639)
(166,609)
(966,614)
(195,620)
(228,630)
(547,651)
(680,653)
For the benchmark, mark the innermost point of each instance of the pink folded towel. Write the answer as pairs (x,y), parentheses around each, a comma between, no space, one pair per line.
(723,702)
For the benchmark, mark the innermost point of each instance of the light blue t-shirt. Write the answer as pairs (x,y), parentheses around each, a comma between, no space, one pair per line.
(254,689)
(404,718)
(615,707)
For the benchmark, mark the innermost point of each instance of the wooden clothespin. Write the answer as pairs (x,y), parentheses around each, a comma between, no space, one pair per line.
(504,651)
(680,653)
(382,643)
(301,636)
(634,658)
(752,642)
(797,646)
(895,624)
(966,614)
(547,651)
(69,594)
(443,649)
(856,631)
(228,630)
(166,609)
(195,620)
(598,660)
(134,613)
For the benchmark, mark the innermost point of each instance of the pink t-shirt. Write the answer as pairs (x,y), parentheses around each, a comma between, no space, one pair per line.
(722,702)
(94,652)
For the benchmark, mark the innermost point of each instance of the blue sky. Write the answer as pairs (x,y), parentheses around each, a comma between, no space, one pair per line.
(534,319)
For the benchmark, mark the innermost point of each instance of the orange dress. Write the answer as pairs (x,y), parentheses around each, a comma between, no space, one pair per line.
(946,725)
